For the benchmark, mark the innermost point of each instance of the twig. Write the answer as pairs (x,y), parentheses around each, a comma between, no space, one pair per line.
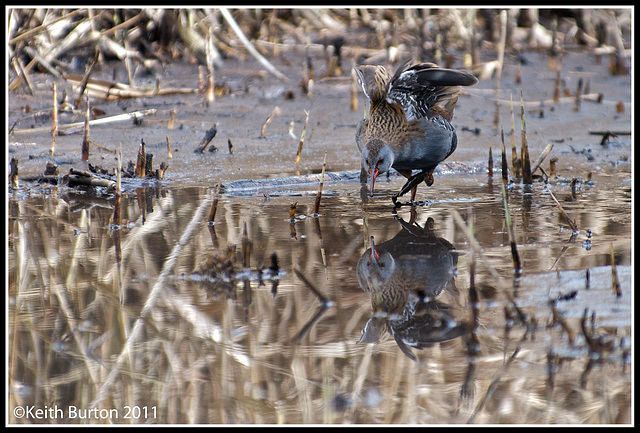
(541,158)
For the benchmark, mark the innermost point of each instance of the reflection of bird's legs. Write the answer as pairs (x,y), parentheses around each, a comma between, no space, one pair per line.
(414,214)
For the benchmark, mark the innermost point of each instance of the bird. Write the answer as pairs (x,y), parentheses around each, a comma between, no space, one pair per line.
(409,123)
(403,276)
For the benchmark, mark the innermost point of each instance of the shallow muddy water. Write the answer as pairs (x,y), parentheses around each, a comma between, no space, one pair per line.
(258,317)
(199,338)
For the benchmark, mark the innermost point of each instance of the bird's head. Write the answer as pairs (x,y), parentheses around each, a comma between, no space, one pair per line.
(377,158)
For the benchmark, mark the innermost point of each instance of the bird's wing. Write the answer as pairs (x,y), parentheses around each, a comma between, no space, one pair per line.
(418,88)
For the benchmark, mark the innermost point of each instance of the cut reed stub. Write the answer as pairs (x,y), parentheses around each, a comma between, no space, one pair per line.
(214,205)
(141,161)
(13,176)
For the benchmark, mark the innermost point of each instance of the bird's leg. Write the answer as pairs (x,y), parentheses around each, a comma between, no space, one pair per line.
(412,183)
(429,178)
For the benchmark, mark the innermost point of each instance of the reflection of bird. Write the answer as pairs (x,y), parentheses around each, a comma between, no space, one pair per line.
(408,126)
(403,276)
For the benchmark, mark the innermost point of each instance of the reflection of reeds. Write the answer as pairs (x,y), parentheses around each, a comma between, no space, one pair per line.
(54,120)
(197,361)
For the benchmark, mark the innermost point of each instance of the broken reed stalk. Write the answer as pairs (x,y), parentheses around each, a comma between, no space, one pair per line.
(54,120)
(517,266)
(208,136)
(556,88)
(210,94)
(576,102)
(141,161)
(515,162)
(307,75)
(524,152)
(541,158)
(274,113)
(13,176)
(302,136)
(85,137)
(169,152)
(505,168)
(572,224)
(172,119)
(214,205)
(552,168)
(316,205)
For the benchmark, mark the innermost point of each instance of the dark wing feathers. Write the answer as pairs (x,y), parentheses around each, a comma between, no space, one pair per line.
(420,87)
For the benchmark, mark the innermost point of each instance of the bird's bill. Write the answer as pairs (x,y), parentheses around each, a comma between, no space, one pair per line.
(373,177)
(375,255)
